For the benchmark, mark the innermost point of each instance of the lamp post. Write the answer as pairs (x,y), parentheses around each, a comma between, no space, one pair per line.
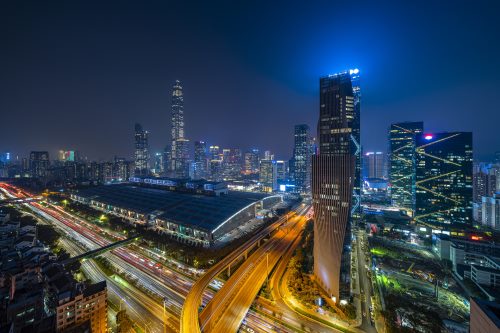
(164,315)
(267,269)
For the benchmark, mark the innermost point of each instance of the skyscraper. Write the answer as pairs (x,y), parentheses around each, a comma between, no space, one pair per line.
(268,175)
(302,159)
(180,145)
(335,176)
(373,165)
(200,159)
(159,164)
(402,169)
(231,163)
(251,163)
(39,163)
(141,151)
(444,178)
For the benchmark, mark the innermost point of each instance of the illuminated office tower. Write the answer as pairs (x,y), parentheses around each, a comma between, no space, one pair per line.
(444,178)
(268,175)
(335,175)
(200,160)
(159,164)
(231,163)
(251,163)
(180,145)
(141,151)
(402,167)
(302,159)
(282,171)
(214,153)
(373,165)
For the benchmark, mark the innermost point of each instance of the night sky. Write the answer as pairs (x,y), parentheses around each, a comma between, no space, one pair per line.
(79,74)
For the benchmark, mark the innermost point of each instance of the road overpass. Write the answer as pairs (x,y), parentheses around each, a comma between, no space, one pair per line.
(229,306)
(190,311)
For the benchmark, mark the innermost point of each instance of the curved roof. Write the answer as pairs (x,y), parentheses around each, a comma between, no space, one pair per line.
(199,211)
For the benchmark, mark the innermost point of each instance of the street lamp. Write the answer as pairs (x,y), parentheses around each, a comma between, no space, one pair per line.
(267,270)
(164,315)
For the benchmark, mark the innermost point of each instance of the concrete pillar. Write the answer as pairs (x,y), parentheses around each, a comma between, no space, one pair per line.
(229,270)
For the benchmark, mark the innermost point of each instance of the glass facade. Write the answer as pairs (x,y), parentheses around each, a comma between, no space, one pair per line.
(302,159)
(444,178)
(141,151)
(402,167)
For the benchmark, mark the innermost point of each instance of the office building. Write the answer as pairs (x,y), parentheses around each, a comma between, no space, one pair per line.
(141,156)
(302,159)
(215,170)
(158,164)
(200,160)
(335,177)
(39,164)
(444,178)
(268,175)
(402,164)
(373,165)
(231,163)
(167,160)
(282,171)
(251,162)
(180,145)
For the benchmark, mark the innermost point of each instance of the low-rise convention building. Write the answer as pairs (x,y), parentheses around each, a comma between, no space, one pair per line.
(190,216)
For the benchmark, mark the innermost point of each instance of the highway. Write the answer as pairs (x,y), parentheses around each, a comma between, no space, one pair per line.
(282,298)
(189,316)
(230,304)
(161,281)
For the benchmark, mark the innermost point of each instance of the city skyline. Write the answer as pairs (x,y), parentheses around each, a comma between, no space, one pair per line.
(128,87)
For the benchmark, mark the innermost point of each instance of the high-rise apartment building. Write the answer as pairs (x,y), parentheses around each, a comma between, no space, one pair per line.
(490,212)
(268,175)
(373,165)
(302,159)
(141,151)
(39,164)
(180,145)
(336,180)
(402,164)
(444,178)
(485,181)
(76,307)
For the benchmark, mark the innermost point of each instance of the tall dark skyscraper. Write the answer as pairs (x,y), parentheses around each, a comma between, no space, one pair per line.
(402,165)
(141,156)
(39,163)
(335,180)
(444,178)
(302,159)
(180,145)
